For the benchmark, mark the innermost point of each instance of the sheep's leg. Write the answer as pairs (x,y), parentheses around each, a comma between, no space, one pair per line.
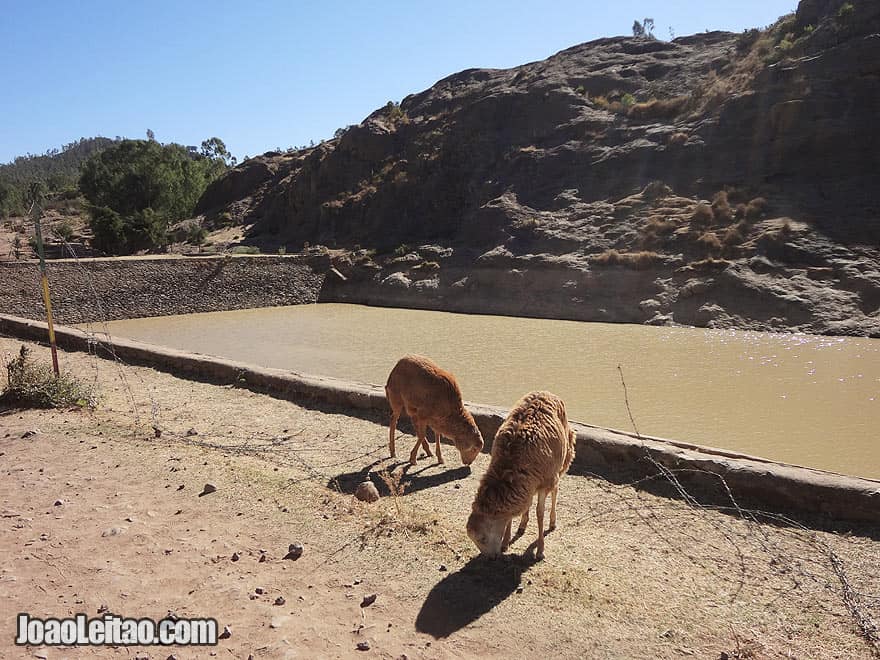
(505,542)
(553,494)
(524,520)
(395,415)
(437,442)
(539,550)
(426,445)
(421,428)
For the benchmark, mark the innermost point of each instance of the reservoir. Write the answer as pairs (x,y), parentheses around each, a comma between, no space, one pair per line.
(803,399)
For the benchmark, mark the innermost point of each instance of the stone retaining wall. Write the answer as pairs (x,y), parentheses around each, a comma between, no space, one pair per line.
(94,290)
(815,495)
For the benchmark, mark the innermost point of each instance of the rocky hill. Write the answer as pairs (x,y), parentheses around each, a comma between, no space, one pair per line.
(717,180)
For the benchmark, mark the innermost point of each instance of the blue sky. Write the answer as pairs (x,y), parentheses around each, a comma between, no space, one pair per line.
(262,75)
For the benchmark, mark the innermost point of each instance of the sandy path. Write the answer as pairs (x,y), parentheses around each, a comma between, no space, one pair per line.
(627,574)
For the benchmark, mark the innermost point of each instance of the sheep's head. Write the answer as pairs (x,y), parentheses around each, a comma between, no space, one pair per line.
(469,440)
(487,532)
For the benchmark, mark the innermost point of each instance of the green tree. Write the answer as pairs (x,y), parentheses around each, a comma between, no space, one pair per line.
(137,188)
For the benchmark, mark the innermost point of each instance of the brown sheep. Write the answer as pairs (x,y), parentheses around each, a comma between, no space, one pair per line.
(431,397)
(532,449)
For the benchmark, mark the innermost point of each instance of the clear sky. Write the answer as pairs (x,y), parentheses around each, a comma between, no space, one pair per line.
(262,75)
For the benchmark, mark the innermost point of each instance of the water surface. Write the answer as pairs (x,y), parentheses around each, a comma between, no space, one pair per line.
(803,399)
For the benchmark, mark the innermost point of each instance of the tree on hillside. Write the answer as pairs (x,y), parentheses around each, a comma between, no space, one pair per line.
(137,188)
(214,149)
(643,30)
(57,169)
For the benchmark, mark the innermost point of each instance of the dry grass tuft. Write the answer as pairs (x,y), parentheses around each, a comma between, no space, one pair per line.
(721,207)
(677,139)
(636,260)
(659,108)
(756,208)
(702,216)
(710,241)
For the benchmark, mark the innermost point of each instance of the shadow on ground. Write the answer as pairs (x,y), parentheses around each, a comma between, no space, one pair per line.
(462,597)
(427,474)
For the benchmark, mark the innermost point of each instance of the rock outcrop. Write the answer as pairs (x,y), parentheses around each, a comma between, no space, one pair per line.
(716,180)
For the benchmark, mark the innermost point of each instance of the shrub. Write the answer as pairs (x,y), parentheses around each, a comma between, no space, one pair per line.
(736,234)
(627,100)
(677,139)
(721,207)
(659,108)
(401,250)
(845,11)
(580,90)
(63,230)
(196,234)
(702,216)
(756,208)
(635,260)
(710,241)
(34,385)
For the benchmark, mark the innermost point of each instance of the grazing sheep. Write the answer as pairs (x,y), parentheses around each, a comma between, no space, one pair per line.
(532,449)
(431,397)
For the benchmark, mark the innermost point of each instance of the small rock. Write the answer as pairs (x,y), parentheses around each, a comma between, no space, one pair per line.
(259,590)
(294,551)
(363,646)
(129,519)
(519,590)
(103,609)
(113,531)
(31,433)
(457,486)
(443,568)
(235,556)
(181,487)
(367,492)
(368,600)
(191,433)
(279,621)
(262,558)
(171,657)
(226,634)
(280,600)
(59,502)
(41,654)
(208,489)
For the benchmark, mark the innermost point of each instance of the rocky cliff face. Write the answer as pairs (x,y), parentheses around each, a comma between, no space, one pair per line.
(718,179)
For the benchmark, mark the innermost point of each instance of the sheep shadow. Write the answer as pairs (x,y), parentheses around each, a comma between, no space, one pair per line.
(415,477)
(462,597)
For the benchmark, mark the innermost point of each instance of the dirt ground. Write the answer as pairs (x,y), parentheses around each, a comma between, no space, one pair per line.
(627,574)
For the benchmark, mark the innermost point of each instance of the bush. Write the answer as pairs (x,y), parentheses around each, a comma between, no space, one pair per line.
(636,260)
(137,188)
(245,249)
(721,207)
(34,385)
(401,250)
(710,241)
(702,216)
(756,208)
(63,230)
(736,234)
(659,108)
(845,11)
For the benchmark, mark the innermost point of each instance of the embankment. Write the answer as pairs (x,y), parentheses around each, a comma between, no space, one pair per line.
(812,495)
(94,290)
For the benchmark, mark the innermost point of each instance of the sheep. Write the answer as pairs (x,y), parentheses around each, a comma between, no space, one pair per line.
(431,397)
(533,448)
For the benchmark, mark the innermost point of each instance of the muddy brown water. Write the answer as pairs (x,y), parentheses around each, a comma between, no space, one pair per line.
(802,399)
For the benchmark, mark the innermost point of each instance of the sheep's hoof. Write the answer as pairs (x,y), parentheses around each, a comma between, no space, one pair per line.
(551,527)
(440,461)
(413,461)
(539,555)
